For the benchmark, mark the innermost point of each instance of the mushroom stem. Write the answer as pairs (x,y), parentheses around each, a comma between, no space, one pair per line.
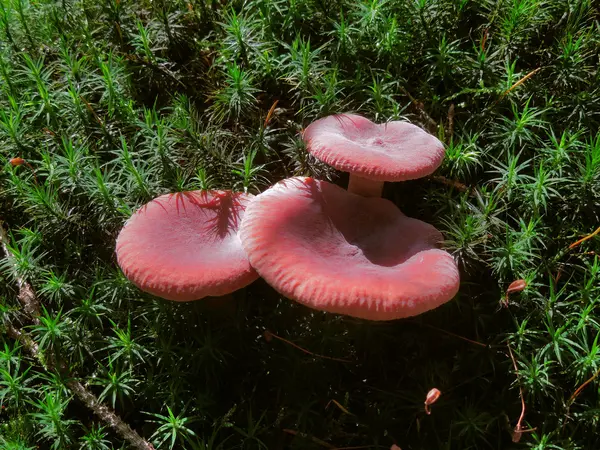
(365,187)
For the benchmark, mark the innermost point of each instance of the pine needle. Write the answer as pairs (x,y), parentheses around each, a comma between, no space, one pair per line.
(589,236)
(269,334)
(520,82)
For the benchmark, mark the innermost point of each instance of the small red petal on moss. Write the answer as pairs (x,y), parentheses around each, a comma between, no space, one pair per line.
(516,286)
(17,161)
(432,397)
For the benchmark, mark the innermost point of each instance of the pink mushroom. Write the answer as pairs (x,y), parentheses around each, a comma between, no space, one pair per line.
(185,246)
(336,251)
(371,153)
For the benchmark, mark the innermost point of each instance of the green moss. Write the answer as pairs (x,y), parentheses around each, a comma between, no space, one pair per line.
(111,103)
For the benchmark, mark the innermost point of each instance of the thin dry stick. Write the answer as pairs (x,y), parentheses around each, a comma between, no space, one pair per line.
(339,405)
(91,110)
(106,414)
(481,344)
(31,305)
(322,443)
(484,39)
(265,124)
(26,296)
(520,82)
(154,66)
(589,236)
(308,436)
(578,391)
(270,113)
(582,387)
(268,334)
(451,121)
(355,448)
(450,183)
(518,430)
(421,109)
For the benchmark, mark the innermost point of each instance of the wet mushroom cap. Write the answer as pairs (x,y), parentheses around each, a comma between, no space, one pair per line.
(185,246)
(393,151)
(343,253)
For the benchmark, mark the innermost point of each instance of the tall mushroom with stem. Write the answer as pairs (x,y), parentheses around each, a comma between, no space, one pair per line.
(185,246)
(373,153)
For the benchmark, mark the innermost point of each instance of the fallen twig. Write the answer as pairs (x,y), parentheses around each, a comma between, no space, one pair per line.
(154,66)
(308,436)
(432,123)
(31,305)
(322,443)
(268,335)
(575,394)
(270,113)
(582,387)
(357,448)
(484,38)
(481,344)
(451,121)
(26,296)
(589,236)
(339,405)
(520,82)
(92,112)
(451,183)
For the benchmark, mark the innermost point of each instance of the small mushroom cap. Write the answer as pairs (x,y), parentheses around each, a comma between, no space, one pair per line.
(340,252)
(393,151)
(185,246)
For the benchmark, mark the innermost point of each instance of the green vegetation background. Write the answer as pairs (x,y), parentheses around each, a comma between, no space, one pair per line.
(113,102)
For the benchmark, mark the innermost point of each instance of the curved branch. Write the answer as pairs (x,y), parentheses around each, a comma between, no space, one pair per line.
(31,306)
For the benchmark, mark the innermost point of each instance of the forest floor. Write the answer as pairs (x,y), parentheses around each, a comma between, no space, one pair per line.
(105,105)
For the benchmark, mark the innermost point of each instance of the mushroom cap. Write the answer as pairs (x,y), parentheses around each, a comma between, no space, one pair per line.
(185,246)
(343,253)
(393,151)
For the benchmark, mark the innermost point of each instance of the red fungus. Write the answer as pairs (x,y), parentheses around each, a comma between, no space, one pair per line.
(340,252)
(185,246)
(371,153)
